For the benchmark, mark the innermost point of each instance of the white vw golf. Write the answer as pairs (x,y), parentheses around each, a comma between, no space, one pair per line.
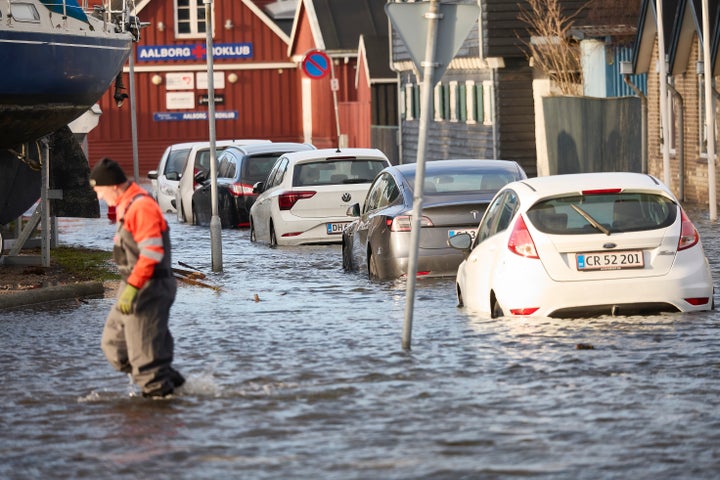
(306,195)
(584,245)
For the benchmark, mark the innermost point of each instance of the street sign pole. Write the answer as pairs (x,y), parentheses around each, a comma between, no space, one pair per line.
(317,64)
(432,17)
(215,224)
(438,46)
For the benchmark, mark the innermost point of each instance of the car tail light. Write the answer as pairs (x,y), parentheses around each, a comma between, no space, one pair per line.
(524,311)
(287,200)
(688,233)
(697,301)
(403,223)
(602,191)
(240,190)
(521,243)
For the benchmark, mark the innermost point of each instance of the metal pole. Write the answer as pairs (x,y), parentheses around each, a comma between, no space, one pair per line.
(45,202)
(215,224)
(334,87)
(426,105)
(709,111)
(663,93)
(133,116)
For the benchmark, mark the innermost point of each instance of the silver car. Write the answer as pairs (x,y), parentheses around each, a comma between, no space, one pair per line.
(456,194)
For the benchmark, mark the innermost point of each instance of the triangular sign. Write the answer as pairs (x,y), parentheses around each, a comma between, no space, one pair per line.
(453,27)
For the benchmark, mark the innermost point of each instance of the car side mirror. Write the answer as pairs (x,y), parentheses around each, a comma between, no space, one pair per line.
(152,175)
(258,187)
(461,241)
(353,210)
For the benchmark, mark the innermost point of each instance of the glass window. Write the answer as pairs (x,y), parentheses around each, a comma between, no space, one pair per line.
(190,18)
(498,216)
(334,172)
(227,165)
(280,173)
(24,12)
(256,167)
(489,220)
(176,161)
(374,196)
(590,214)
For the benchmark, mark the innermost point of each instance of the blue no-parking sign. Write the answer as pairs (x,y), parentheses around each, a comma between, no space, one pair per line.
(316,64)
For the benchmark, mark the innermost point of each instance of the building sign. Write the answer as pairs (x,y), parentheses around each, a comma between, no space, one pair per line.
(202,80)
(167,53)
(179,100)
(179,81)
(182,116)
(204,99)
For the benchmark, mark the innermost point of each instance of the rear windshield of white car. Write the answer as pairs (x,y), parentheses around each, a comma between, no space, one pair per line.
(604,213)
(336,172)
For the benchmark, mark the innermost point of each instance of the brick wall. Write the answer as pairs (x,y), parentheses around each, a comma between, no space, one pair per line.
(695,164)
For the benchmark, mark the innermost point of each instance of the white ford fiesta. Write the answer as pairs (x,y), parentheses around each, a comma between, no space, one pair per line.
(582,245)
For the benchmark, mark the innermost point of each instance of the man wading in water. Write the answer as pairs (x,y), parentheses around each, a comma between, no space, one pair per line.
(136,338)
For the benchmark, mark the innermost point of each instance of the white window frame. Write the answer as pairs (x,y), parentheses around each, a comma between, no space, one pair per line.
(470,101)
(488,101)
(453,86)
(194,6)
(437,97)
(409,99)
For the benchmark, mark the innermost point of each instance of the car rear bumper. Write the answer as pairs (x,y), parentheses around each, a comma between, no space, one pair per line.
(598,297)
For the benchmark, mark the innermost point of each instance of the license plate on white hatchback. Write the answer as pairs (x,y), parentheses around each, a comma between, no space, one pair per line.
(609,260)
(336,228)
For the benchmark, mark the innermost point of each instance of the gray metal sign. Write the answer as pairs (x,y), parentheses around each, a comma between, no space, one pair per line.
(453,27)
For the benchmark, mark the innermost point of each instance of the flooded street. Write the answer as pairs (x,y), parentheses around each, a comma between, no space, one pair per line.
(311,381)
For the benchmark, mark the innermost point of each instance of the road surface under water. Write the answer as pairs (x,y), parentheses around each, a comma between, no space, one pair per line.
(309,380)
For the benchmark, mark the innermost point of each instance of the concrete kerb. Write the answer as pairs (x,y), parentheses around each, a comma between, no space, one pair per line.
(51,294)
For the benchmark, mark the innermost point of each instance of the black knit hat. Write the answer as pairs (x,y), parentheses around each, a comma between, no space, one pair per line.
(107,172)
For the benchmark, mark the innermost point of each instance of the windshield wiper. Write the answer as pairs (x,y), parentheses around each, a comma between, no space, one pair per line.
(590,219)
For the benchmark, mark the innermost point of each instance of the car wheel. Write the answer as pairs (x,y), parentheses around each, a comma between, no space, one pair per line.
(273,238)
(460,302)
(373,273)
(253,238)
(496,310)
(180,214)
(347,257)
(195,215)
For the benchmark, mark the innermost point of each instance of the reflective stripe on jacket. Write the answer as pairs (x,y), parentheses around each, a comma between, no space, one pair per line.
(142,240)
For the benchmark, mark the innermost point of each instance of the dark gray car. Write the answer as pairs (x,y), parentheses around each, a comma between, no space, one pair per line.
(456,194)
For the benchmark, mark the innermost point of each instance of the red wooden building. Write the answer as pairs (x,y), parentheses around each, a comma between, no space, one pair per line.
(260,88)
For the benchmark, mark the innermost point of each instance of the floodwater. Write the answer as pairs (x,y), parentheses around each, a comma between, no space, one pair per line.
(311,381)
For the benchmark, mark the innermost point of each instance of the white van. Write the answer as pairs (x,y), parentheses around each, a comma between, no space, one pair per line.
(174,165)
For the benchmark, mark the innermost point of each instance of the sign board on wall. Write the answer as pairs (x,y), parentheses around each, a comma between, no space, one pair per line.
(204,99)
(180,81)
(179,100)
(168,53)
(202,80)
(182,116)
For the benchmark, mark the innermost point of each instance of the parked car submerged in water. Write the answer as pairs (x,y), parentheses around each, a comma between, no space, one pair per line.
(455,195)
(307,194)
(584,245)
(200,165)
(239,168)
